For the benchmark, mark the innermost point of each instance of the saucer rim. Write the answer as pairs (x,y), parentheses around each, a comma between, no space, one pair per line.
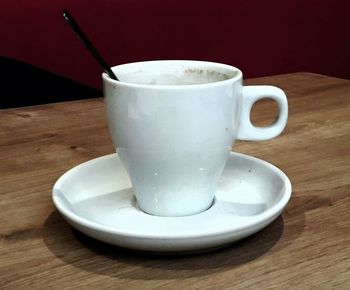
(268,215)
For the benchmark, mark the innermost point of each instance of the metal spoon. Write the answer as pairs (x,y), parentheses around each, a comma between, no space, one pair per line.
(87,43)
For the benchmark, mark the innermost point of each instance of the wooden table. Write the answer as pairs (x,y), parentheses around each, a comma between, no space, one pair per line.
(307,247)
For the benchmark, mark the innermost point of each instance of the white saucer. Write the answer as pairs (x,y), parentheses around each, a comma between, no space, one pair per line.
(97,199)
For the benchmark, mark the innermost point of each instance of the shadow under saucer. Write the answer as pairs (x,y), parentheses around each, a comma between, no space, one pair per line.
(94,256)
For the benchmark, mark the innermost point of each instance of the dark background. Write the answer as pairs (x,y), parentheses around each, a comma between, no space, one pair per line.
(42,61)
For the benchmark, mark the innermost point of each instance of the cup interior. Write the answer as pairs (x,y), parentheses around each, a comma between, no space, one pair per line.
(174,73)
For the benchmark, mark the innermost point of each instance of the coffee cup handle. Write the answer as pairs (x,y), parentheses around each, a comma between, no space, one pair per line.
(251,94)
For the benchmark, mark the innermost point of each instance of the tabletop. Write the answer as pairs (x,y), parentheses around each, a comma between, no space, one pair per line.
(308,246)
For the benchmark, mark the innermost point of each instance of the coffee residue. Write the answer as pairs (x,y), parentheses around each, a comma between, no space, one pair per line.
(199,75)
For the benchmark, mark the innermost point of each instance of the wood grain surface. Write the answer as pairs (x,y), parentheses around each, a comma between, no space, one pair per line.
(308,247)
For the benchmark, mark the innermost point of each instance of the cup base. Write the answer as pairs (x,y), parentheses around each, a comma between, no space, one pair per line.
(174,213)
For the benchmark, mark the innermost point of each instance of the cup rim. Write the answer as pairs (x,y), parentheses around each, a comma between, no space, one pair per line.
(233,79)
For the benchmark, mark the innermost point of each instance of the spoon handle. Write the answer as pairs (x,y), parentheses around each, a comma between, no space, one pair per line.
(87,43)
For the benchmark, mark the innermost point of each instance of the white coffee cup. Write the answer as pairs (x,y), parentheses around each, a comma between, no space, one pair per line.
(173,123)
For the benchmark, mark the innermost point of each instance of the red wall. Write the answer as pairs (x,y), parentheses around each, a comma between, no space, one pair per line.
(261,37)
